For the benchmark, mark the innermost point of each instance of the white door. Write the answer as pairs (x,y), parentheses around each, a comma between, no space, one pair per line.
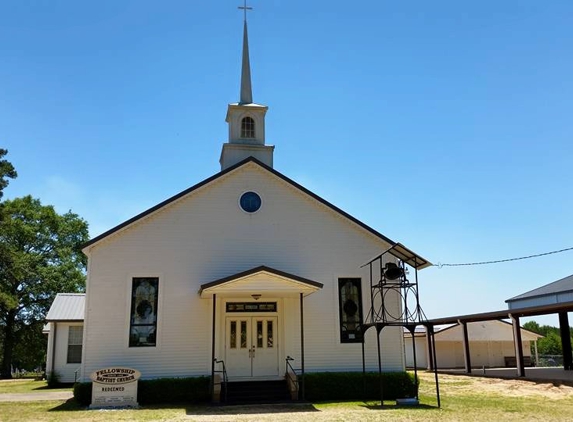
(238,347)
(251,348)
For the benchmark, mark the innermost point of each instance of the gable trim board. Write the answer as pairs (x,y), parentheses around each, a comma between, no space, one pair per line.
(291,283)
(289,181)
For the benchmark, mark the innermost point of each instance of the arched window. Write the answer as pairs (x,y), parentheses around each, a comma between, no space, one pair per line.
(247,128)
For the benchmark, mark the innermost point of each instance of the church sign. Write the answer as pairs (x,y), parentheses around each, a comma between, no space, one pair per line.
(114,387)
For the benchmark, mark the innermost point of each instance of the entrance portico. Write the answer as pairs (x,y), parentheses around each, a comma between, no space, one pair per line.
(257,321)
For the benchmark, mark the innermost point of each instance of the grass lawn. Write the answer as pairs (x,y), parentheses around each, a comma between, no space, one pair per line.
(463,399)
(27,385)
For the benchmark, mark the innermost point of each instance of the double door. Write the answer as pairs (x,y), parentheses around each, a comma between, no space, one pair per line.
(251,348)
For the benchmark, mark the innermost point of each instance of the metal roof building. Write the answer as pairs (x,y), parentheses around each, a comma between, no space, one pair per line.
(67,307)
(559,291)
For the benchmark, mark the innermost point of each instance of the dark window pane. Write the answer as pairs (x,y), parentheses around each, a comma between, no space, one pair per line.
(243,334)
(233,339)
(259,334)
(74,353)
(247,128)
(144,297)
(270,337)
(350,312)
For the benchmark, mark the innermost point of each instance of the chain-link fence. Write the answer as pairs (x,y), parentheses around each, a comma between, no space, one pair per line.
(550,360)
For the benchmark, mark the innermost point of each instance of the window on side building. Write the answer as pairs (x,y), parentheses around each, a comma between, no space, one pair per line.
(75,339)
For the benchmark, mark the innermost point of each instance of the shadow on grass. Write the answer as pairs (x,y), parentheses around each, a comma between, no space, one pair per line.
(68,405)
(252,409)
(396,406)
(57,388)
(71,405)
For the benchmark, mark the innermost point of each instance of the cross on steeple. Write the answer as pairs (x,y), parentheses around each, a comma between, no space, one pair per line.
(245,8)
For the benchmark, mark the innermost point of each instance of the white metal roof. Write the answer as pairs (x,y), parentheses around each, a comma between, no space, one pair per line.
(67,307)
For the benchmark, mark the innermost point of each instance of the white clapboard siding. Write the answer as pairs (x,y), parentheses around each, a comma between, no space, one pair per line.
(205,236)
(57,352)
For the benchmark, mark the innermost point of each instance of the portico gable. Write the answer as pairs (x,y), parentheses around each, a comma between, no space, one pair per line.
(260,281)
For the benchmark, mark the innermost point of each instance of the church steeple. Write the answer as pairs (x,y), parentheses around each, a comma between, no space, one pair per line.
(246,90)
(246,119)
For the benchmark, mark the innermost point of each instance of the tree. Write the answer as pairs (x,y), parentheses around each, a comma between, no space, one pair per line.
(550,344)
(6,171)
(39,256)
(533,326)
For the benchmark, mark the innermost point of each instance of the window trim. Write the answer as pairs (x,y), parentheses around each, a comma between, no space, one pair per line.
(132,309)
(248,128)
(75,345)
(359,335)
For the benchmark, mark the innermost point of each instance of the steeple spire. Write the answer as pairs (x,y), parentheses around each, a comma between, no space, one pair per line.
(246,119)
(246,90)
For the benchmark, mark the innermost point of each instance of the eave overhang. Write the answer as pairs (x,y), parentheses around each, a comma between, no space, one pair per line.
(262,280)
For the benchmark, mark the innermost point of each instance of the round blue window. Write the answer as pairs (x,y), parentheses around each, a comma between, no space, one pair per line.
(250,202)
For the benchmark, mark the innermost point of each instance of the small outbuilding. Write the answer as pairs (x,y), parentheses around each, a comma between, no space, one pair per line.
(491,345)
(65,327)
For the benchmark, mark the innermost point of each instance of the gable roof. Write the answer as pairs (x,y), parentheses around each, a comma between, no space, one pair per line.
(564,285)
(67,307)
(227,171)
(307,285)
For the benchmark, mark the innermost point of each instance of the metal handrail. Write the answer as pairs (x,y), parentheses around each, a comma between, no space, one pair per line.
(76,374)
(289,366)
(225,379)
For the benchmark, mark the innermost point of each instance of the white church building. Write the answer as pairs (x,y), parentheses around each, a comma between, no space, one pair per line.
(246,267)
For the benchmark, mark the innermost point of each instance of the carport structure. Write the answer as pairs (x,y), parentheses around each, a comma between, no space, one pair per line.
(514,314)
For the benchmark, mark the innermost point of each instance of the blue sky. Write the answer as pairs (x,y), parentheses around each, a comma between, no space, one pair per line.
(445,125)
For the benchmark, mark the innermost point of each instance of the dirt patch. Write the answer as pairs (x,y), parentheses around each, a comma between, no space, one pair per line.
(460,384)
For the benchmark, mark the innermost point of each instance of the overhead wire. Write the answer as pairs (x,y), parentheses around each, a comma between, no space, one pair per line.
(440,265)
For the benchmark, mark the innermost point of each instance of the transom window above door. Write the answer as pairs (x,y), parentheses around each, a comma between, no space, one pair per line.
(251,307)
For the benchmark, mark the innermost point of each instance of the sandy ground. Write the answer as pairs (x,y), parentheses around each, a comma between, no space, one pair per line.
(506,387)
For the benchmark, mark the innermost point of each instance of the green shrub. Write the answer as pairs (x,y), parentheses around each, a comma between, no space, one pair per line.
(53,380)
(173,390)
(322,386)
(83,393)
(158,391)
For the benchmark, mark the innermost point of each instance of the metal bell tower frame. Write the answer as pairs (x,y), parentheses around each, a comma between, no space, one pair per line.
(395,302)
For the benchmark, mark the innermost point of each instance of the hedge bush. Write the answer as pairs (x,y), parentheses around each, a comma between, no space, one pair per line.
(158,391)
(83,393)
(322,386)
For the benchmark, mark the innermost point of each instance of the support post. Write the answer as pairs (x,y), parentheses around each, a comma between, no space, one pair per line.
(363,366)
(566,341)
(466,342)
(412,330)
(213,346)
(430,333)
(429,354)
(378,329)
(517,343)
(536,353)
(435,363)
(302,344)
